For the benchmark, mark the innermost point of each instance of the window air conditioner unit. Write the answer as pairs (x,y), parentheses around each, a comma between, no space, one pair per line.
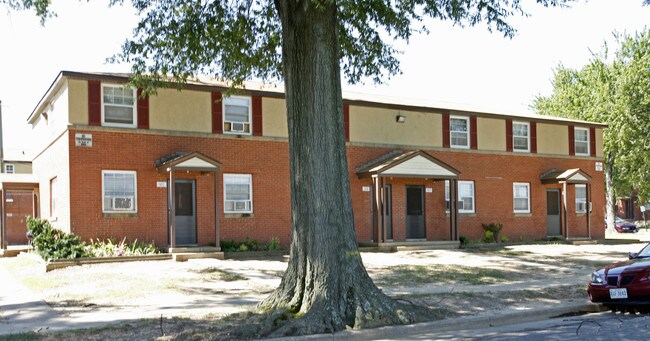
(241,205)
(122,203)
(237,127)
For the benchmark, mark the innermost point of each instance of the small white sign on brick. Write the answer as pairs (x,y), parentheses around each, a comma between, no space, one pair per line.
(83,140)
(161,184)
(599,166)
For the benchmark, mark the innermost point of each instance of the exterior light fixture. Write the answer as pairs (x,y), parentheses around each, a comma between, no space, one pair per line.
(400,118)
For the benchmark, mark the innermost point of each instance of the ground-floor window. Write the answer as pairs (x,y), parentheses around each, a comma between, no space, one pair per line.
(521,197)
(119,190)
(465,196)
(238,193)
(54,194)
(581,198)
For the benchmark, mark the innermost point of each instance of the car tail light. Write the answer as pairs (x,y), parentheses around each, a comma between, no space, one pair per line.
(645,277)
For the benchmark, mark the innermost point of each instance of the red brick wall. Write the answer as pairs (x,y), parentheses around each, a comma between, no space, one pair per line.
(493,175)
(267,161)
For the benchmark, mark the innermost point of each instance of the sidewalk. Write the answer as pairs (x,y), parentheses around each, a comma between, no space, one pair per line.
(22,311)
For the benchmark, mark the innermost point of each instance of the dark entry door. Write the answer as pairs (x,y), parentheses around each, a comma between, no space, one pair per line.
(553,212)
(185,218)
(389,208)
(18,206)
(415,212)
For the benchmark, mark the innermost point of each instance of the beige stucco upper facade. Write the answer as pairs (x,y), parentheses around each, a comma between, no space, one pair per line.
(599,142)
(375,123)
(379,125)
(275,117)
(491,133)
(184,110)
(552,139)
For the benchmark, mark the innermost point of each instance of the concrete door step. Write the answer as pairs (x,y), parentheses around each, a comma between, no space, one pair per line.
(184,257)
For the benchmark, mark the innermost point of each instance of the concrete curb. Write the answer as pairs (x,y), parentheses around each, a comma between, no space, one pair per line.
(453,324)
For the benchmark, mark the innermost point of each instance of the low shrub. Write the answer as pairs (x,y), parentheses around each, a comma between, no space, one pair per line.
(493,229)
(112,248)
(463,240)
(504,239)
(489,237)
(52,243)
(250,245)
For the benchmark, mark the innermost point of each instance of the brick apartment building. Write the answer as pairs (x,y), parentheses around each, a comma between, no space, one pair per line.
(418,171)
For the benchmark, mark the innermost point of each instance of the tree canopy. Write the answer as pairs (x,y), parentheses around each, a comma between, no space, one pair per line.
(613,91)
(240,40)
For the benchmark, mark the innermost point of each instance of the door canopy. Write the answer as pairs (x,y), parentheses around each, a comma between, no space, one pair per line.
(413,164)
(569,176)
(194,161)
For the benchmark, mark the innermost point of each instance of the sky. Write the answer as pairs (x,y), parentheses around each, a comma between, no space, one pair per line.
(468,66)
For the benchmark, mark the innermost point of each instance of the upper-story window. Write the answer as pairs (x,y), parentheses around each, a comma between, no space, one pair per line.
(520,136)
(118,106)
(9,168)
(237,115)
(581,138)
(459,131)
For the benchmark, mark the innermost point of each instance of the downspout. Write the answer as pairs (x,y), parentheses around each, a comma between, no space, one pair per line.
(217,231)
(564,209)
(172,211)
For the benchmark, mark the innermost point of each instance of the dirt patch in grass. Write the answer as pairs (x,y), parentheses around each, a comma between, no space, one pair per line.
(472,303)
(414,275)
(214,274)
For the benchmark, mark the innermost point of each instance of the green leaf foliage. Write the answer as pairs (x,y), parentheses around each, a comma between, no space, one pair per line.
(52,243)
(615,91)
(239,40)
(40,7)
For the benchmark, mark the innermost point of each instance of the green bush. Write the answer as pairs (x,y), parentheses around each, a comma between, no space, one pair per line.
(493,230)
(273,244)
(463,240)
(52,243)
(504,239)
(489,237)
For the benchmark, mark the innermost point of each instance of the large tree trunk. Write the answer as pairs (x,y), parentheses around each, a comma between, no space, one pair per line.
(610,200)
(326,286)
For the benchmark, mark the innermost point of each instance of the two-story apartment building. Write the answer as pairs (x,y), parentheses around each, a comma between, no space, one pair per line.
(195,166)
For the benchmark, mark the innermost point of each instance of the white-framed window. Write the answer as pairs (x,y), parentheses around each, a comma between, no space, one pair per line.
(238,193)
(54,197)
(465,196)
(119,107)
(581,138)
(520,136)
(459,132)
(9,168)
(581,198)
(119,191)
(521,197)
(237,115)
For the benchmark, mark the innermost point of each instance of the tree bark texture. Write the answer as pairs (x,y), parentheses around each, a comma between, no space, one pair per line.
(326,287)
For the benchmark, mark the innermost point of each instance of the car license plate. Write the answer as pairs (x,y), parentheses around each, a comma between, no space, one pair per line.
(618,293)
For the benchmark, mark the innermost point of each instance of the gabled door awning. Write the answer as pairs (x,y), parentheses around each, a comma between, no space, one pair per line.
(194,161)
(413,164)
(570,176)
